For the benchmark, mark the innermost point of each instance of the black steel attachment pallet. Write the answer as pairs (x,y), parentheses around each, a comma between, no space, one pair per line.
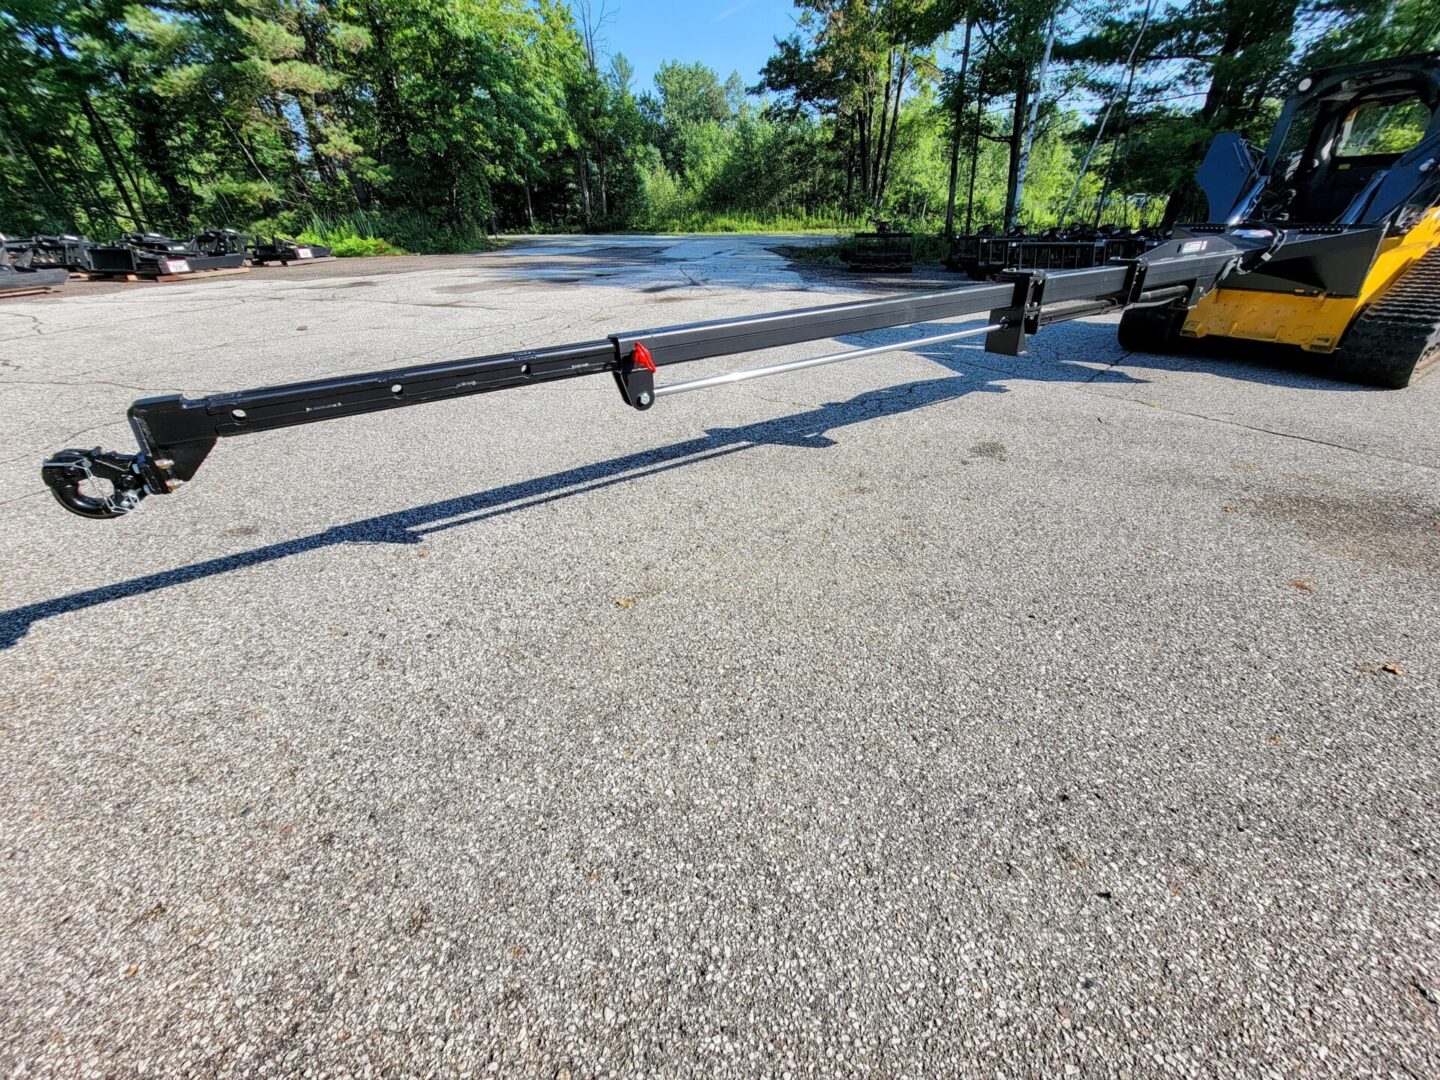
(142,255)
(885,249)
(283,250)
(22,272)
(984,254)
(175,434)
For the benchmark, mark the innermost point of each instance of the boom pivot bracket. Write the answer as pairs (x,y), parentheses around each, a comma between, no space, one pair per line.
(636,378)
(1022,317)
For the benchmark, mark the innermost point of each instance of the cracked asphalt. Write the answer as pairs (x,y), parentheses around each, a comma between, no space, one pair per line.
(935,714)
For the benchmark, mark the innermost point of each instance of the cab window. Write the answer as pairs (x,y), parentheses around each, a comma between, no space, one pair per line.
(1297,135)
(1383,127)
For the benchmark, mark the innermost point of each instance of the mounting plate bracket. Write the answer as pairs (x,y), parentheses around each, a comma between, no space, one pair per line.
(1022,317)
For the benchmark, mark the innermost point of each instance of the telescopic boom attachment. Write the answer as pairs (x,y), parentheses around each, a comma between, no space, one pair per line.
(175,434)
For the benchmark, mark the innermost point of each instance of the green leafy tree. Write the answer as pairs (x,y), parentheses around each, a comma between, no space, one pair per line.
(1233,57)
(851,63)
(1373,30)
(427,123)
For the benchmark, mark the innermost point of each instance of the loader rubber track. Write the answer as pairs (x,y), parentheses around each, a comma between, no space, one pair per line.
(1397,337)
(1151,329)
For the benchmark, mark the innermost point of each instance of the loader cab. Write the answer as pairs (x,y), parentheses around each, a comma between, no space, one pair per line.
(1342,134)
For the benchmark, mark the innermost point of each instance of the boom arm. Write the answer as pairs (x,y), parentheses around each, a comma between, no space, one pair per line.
(175,434)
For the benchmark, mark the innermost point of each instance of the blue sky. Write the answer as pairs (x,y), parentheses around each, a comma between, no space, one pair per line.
(729,35)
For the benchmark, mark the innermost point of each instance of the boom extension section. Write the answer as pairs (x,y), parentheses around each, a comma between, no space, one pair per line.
(175,434)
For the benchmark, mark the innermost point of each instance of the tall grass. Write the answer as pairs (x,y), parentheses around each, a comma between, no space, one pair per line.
(347,235)
(368,232)
(709,221)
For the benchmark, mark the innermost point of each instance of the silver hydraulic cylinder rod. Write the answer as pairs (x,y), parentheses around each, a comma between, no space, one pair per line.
(710,381)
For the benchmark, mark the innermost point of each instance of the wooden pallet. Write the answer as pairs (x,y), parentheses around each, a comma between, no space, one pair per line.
(38,290)
(294,262)
(195,275)
(165,279)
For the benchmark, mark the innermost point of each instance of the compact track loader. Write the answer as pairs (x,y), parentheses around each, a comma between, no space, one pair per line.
(1351,177)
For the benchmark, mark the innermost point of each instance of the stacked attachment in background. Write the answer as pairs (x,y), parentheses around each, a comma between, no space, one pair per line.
(885,249)
(283,250)
(983,255)
(22,272)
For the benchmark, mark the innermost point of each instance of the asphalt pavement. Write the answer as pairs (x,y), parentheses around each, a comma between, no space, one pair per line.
(935,714)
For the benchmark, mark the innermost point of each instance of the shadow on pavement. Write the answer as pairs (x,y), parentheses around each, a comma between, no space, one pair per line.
(1251,361)
(808,429)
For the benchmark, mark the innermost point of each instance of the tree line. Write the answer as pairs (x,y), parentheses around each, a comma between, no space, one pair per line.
(428,124)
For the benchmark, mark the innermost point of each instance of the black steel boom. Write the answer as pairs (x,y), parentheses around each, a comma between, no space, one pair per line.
(176,433)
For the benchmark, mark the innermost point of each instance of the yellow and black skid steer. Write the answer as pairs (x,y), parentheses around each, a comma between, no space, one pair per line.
(1349,186)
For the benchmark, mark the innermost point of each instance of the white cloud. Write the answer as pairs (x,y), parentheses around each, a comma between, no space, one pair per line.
(731,10)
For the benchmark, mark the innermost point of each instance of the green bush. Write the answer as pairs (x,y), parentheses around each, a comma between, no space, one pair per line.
(356,247)
(348,236)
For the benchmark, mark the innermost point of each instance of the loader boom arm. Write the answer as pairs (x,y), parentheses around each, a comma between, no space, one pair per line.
(175,434)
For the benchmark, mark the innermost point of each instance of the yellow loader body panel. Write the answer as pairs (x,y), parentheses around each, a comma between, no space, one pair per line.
(1314,323)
